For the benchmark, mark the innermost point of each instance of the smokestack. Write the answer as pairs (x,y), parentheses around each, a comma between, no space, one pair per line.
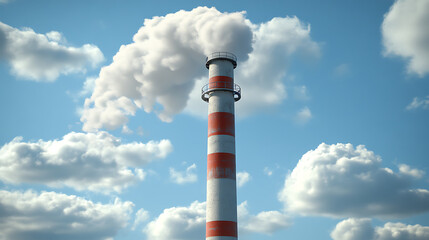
(221,92)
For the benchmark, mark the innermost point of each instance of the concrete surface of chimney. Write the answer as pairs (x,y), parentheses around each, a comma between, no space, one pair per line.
(221,93)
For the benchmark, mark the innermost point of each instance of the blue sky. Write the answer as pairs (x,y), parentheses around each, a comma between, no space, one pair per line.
(103,132)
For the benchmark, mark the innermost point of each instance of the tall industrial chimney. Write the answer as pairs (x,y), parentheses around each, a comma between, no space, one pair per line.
(221,92)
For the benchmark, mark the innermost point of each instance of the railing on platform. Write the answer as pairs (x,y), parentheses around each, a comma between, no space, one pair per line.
(220,86)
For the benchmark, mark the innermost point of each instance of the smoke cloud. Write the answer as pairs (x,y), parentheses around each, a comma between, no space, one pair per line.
(163,70)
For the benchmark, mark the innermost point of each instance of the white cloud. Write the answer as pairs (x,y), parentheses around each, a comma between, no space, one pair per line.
(42,57)
(266,222)
(407,170)
(189,223)
(242,178)
(303,116)
(342,181)
(400,231)
(184,177)
(141,217)
(268,171)
(342,70)
(419,103)
(357,229)
(163,70)
(301,93)
(5,1)
(140,131)
(55,36)
(83,161)
(50,215)
(179,223)
(353,229)
(88,86)
(405,34)
(126,130)
(275,44)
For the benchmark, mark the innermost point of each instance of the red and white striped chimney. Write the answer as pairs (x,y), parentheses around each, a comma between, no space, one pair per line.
(221,93)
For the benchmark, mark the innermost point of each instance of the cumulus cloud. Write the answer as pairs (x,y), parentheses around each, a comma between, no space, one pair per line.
(163,70)
(353,229)
(275,44)
(43,57)
(179,223)
(189,223)
(84,161)
(407,170)
(266,222)
(342,70)
(50,215)
(141,217)
(88,86)
(400,231)
(357,229)
(342,181)
(188,176)
(301,93)
(126,130)
(242,178)
(268,171)
(405,34)
(417,102)
(303,116)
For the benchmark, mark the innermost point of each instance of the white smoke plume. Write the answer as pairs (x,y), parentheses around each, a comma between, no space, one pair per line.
(163,70)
